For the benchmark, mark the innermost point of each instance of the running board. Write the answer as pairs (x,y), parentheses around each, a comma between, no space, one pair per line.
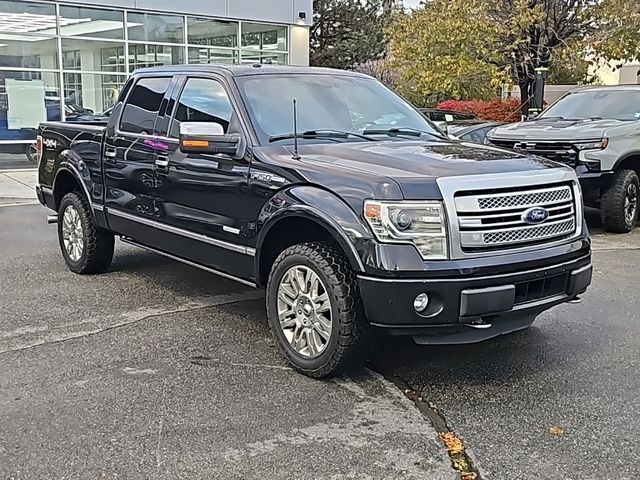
(189,262)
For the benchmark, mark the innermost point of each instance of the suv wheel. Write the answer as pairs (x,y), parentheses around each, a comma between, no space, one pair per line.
(315,311)
(86,248)
(619,206)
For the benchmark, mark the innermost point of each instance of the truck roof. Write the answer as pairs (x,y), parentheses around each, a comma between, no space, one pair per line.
(624,86)
(245,70)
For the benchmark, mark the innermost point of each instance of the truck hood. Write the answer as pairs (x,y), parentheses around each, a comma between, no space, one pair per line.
(555,129)
(413,165)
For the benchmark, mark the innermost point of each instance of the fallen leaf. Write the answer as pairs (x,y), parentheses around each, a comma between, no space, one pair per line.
(558,431)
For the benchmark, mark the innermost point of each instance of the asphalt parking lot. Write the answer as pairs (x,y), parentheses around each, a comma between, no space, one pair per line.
(158,370)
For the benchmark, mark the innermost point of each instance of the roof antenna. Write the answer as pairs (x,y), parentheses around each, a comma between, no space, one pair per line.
(295,131)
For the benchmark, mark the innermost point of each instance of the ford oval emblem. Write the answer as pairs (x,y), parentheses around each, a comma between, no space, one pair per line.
(535,215)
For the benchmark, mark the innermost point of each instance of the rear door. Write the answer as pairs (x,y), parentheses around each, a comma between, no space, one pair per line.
(202,197)
(128,158)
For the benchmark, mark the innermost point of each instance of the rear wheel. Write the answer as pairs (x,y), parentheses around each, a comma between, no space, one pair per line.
(619,204)
(86,248)
(30,152)
(315,311)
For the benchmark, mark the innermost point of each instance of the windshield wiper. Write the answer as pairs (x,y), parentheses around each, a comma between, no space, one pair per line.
(324,133)
(407,131)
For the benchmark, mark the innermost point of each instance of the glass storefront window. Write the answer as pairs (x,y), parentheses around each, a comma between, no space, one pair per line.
(88,93)
(212,55)
(91,22)
(142,56)
(251,56)
(27,17)
(28,51)
(92,55)
(26,99)
(39,82)
(258,36)
(217,33)
(148,27)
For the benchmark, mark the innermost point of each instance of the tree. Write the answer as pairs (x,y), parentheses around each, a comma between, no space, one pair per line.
(536,29)
(347,33)
(447,49)
(463,48)
(617,33)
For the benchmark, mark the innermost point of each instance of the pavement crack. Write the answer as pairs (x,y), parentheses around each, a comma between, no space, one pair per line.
(214,301)
(458,453)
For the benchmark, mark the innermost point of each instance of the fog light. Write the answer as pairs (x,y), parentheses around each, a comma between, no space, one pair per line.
(421,302)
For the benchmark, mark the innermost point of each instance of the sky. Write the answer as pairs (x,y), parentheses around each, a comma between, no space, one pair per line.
(411,3)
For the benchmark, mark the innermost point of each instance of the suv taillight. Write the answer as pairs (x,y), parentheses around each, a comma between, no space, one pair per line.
(38,148)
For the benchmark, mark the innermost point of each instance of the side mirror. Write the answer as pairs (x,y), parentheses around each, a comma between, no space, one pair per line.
(209,137)
(442,126)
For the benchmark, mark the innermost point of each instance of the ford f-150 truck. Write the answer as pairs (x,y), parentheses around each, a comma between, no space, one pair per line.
(595,130)
(332,193)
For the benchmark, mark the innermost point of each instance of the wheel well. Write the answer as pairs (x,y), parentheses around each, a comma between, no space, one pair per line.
(288,232)
(632,162)
(65,183)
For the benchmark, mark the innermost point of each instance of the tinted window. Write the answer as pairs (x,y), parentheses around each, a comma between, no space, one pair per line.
(142,106)
(202,100)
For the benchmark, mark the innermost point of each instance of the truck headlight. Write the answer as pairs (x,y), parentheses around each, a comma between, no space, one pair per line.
(598,145)
(420,223)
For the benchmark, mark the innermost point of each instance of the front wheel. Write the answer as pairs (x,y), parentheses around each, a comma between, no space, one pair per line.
(86,248)
(619,204)
(314,309)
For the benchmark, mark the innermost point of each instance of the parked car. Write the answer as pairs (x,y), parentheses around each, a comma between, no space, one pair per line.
(261,174)
(442,117)
(596,131)
(474,131)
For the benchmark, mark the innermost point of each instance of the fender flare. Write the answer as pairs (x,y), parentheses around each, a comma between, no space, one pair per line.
(66,166)
(627,155)
(321,207)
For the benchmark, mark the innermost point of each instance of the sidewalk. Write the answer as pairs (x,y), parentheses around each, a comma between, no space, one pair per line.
(18,186)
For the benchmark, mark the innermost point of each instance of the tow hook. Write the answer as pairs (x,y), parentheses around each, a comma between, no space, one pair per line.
(52,218)
(479,324)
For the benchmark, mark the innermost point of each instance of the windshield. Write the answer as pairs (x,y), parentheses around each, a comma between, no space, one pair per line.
(610,104)
(328,103)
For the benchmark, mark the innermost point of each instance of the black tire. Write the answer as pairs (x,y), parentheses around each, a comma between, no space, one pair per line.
(97,244)
(30,152)
(347,344)
(614,207)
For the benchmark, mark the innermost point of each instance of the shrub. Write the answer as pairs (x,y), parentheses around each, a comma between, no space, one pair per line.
(498,110)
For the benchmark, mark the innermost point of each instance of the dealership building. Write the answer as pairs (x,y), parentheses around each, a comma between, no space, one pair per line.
(66,60)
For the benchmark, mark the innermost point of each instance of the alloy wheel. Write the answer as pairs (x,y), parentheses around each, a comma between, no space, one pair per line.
(631,203)
(72,233)
(304,311)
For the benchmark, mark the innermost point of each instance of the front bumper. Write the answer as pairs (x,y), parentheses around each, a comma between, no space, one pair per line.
(465,309)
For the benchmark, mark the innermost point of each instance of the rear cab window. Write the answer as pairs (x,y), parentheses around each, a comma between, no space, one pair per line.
(143,104)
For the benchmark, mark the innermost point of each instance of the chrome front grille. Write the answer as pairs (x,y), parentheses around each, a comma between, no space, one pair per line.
(490,220)
(539,198)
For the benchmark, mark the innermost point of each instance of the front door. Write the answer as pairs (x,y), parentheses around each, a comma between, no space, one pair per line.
(128,164)
(201,197)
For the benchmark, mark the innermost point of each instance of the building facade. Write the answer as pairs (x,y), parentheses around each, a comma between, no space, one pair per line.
(68,60)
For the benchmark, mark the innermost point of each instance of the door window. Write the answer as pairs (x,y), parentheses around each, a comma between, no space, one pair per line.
(202,100)
(142,106)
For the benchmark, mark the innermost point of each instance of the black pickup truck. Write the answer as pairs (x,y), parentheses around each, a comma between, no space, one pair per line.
(328,190)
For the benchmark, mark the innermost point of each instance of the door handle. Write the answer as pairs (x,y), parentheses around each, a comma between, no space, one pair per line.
(162,161)
(110,153)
